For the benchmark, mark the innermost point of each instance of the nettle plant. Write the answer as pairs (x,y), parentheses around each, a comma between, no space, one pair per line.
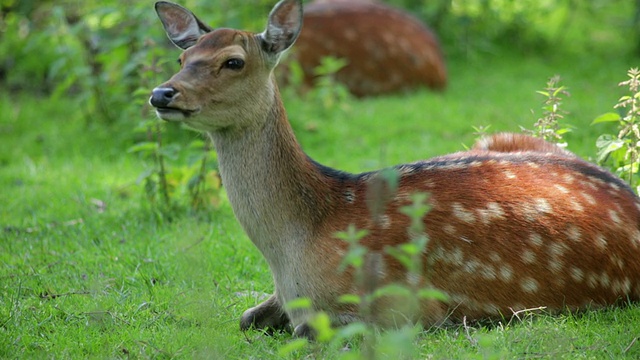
(548,127)
(175,174)
(366,264)
(621,152)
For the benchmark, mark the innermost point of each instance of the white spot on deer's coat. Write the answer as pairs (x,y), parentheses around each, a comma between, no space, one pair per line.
(461,213)
(573,233)
(385,221)
(561,188)
(528,257)
(509,175)
(614,216)
(535,239)
(592,280)
(543,206)
(576,205)
(493,211)
(614,186)
(577,274)
(456,256)
(495,257)
(529,285)
(532,210)
(588,198)
(471,266)
(617,261)
(488,272)
(557,249)
(506,273)
(568,178)
(555,265)
(600,241)
(635,238)
(449,229)
(605,280)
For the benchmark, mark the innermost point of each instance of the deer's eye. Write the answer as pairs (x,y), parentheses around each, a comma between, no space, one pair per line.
(179,61)
(233,64)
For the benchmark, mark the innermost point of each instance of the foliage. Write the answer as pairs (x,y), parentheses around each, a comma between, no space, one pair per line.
(198,180)
(86,271)
(473,26)
(622,151)
(548,126)
(366,264)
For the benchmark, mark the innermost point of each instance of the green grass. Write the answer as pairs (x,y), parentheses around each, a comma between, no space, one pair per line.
(89,270)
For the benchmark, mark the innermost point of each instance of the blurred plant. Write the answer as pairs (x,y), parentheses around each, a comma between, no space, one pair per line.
(623,149)
(327,91)
(548,126)
(366,265)
(198,180)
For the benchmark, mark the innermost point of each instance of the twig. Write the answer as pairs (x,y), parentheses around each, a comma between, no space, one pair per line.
(516,313)
(194,244)
(472,341)
(635,339)
(55,296)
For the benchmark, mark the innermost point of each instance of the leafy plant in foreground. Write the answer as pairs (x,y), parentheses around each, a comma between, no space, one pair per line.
(370,342)
(623,149)
(198,180)
(548,126)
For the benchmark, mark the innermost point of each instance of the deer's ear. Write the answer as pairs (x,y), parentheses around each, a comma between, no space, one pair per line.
(182,27)
(285,22)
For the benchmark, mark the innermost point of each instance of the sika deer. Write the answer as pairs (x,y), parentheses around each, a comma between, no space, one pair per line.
(387,50)
(515,223)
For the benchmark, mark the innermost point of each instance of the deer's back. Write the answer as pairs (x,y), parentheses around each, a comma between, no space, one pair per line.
(510,230)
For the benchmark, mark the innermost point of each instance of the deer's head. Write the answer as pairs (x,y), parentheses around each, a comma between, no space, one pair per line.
(224,80)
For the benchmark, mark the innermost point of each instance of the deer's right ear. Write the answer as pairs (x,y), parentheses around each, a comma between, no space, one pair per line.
(182,27)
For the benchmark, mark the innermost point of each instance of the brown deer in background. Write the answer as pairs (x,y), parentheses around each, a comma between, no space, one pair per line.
(386,49)
(515,223)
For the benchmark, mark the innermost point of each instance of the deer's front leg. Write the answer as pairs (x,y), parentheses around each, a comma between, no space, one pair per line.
(269,315)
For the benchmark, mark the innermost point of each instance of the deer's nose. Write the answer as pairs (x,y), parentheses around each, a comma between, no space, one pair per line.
(162,96)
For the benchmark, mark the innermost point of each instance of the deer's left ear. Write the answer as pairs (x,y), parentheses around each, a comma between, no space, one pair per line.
(285,22)
(182,27)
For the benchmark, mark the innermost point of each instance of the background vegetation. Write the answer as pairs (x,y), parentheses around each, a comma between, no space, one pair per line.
(117,242)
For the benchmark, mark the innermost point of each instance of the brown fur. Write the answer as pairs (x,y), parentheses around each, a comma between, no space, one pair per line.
(514,223)
(387,50)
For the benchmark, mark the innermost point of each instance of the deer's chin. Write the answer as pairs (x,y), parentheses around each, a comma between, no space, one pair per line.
(175,114)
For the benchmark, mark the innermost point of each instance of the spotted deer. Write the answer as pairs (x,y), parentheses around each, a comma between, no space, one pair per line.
(514,223)
(386,49)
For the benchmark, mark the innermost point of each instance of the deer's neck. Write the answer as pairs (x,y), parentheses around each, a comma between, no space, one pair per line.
(278,194)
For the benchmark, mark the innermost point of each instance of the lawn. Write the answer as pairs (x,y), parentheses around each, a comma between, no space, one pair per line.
(88,269)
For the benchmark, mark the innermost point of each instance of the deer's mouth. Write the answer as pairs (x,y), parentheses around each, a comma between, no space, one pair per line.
(174,114)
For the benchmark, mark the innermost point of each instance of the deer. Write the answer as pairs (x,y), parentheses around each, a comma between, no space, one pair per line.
(386,49)
(514,223)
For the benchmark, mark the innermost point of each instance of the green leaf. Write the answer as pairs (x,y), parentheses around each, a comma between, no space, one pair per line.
(299,303)
(608,117)
(392,290)
(349,299)
(292,346)
(197,144)
(321,323)
(147,146)
(351,330)
(607,144)
(433,294)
